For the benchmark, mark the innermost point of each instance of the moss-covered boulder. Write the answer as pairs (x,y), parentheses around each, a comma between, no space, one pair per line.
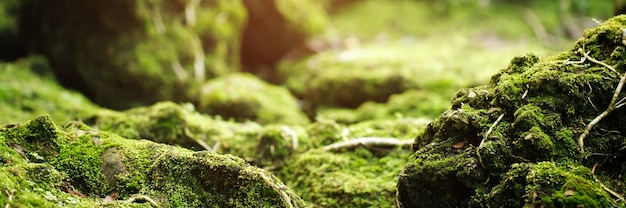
(520,140)
(28,89)
(373,72)
(181,125)
(246,97)
(44,165)
(409,104)
(125,53)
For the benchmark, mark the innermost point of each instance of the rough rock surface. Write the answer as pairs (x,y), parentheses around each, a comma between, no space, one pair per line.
(43,165)
(516,142)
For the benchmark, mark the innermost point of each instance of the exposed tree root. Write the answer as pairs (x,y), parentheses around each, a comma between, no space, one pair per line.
(279,189)
(495,123)
(136,197)
(368,142)
(614,104)
(9,197)
(615,194)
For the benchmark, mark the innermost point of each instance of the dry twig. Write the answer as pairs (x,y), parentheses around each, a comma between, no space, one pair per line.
(368,142)
(9,197)
(607,189)
(480,158)
(136,197)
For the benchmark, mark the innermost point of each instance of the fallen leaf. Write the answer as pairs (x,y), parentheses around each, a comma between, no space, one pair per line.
(459,145)
(18,149)
(568,192)
(111,197)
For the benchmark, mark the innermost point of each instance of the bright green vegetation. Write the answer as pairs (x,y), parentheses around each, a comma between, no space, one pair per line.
(520,132)
(28,89)
(353,177)
(246,97)
(358,178)
(435,52)
(369,68)
(44,165)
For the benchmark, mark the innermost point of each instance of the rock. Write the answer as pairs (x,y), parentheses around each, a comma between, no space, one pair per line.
(408,104)
(520,135)
(348,78)
(79,166)
(246,97)
(126,53)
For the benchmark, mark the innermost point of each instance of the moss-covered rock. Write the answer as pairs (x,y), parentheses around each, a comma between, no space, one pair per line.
(125,53)
(515,142)
(409,104)
(181,125)
(28,89)
(44,165)
(349,77)
(246,97)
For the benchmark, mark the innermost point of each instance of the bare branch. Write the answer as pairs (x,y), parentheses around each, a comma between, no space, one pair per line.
(368,142)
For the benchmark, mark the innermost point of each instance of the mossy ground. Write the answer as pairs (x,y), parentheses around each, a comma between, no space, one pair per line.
(386,84)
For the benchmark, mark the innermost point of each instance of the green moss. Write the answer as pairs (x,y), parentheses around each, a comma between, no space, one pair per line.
(411,104)
(523,128)
(351,179)
(96,164)
(125,54)
(548,185)
(245,97)
(27,89)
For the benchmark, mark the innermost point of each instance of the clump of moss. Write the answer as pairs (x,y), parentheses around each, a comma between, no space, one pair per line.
(27,89)
(181,125)
(88,165)
(408,104)
(246,97)
(514,142)
(358,178)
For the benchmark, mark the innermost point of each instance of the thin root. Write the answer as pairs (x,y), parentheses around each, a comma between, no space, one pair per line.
(480,158)
(280,189)
(9,197)
(368,142)
(136,197)
(607,189)
(614,104)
